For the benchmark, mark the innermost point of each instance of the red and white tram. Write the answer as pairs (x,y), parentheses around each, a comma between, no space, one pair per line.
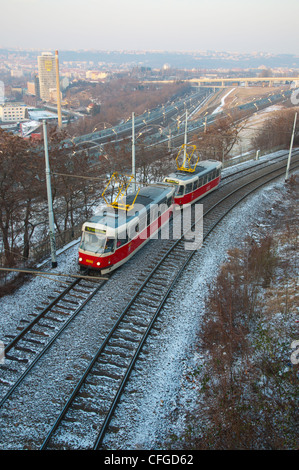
(193,185)
(117,233)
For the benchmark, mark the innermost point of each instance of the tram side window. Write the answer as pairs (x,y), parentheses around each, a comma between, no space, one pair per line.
(123,238)
(109,247)
(205,179)
(200,182)
(214,175)
(209,176)
(189,187)
(195,185)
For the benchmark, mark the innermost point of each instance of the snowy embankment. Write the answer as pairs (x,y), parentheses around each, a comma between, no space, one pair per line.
(159,393)
(219,108)
(156,404)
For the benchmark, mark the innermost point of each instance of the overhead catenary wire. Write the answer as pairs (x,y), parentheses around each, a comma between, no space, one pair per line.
(45,273)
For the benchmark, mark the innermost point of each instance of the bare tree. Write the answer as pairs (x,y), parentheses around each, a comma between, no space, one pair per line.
(20,187)
(276,131)
(220,137)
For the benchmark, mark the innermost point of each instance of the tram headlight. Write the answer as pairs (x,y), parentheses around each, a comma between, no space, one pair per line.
(98,263)
(80,259)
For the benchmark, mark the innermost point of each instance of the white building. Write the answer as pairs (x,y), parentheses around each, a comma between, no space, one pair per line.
(13,112)
(46,74)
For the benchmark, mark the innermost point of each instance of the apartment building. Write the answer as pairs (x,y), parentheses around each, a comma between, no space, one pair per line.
(13,112)
(46,75)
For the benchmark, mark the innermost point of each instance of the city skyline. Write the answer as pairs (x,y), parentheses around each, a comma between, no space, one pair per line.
(172,25)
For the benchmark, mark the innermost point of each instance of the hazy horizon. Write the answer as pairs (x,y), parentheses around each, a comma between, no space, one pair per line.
(157,25)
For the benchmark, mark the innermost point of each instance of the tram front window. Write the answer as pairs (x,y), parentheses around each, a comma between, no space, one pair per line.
(180,190)
(96,243)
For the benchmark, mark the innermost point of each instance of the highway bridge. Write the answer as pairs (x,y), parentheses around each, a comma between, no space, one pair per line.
(246,81)
(219,82)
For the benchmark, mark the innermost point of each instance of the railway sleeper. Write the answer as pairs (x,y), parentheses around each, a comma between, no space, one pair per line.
(116,351)
(24,349)
(117,363)
(5,383)
(81,291)
(135,327)
(34,341)
(158,281)
(72,300)
(148,297)
(22,360)
(80,297)
(90,407)
(153,286)
(69,301)
(46,325)
(60,312)
(113,428)
(99,371)
(126,336)
(123,344)
(39,333)
(96,384)
(144,307)
(55,319)
(7,368)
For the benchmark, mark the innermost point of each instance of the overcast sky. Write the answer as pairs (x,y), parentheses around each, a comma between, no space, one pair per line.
(173,25)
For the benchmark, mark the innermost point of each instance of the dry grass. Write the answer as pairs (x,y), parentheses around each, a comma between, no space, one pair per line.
(247,387)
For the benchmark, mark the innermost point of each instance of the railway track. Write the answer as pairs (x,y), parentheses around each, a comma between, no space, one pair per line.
(33,341)
(87,413)
(92,404)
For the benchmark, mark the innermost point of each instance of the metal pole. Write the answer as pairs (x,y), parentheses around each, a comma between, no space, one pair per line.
(291,148)
(169,140)
(50,204)
(185,139)
(58,91)
(133,151)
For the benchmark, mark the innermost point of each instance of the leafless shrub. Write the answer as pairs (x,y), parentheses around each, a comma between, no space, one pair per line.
(250,396)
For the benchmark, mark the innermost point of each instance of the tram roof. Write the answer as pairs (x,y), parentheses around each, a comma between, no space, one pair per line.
(203,168)
(153,194)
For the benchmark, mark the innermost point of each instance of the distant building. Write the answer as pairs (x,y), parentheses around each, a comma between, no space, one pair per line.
(96,75)
(46,74)
(16,73)
(13,112)
(31,88)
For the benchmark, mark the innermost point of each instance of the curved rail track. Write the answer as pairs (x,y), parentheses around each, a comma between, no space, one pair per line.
(34,340)
(89,409)
(100,388)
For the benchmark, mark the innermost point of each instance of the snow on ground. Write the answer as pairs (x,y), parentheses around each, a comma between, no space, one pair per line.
(155,404)
(217,110)
(252,125)
(157,396)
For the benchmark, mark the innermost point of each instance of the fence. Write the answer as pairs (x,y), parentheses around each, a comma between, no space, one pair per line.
(249,156)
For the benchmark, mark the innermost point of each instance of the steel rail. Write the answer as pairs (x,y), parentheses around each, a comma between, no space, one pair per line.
(52,340)
(166,295)
(145,335)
